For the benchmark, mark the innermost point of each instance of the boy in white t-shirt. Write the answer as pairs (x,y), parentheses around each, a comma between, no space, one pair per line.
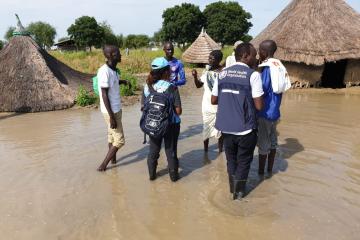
(110,102)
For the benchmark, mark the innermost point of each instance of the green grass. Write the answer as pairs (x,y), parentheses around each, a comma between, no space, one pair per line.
(126,90)
(138,60)
(85,98)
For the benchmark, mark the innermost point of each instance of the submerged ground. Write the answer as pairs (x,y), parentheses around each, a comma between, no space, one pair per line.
(50,188)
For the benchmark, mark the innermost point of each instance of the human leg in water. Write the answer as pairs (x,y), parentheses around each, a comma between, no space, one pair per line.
(109,156)
(206,145)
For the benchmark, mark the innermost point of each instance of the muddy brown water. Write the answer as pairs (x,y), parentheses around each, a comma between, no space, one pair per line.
(50,188)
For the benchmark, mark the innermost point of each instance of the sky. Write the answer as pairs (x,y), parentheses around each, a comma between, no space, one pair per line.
(124,16)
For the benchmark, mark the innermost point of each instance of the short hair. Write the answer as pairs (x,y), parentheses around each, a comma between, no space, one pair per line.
(109,48)
(217,54)
(269,46)
(242,49)
(168,42)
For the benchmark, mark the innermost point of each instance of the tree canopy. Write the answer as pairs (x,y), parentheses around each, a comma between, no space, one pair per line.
(1,44)
(43,33)
(86,32)
(182,23)
(109,36)
(136,41)
(9,33)
(227,22)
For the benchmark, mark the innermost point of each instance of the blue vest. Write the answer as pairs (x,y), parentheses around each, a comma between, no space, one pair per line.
(236,110)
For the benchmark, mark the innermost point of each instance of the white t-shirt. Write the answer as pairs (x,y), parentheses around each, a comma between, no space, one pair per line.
(108,78)
(206,101)
(256,91)
(230,60)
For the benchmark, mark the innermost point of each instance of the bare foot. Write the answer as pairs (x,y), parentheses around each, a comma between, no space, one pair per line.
(102,168)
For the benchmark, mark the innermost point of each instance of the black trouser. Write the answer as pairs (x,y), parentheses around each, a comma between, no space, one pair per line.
(176,138)
(155,147)
(239,150)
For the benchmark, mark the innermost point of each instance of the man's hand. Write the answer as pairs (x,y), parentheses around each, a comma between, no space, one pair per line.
(125,82)
(194,73)
(113,124)
(129,84)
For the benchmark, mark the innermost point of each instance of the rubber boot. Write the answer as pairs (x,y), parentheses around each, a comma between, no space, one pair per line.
(239,189)
(174,175)
(152,173)
(231,183)
(262,161)
(271,159)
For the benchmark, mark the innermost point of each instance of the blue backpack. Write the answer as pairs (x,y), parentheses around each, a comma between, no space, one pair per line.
(158,113)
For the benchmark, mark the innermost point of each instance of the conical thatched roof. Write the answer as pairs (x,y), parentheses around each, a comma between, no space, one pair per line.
(314,31)
(31,80)
(199,51)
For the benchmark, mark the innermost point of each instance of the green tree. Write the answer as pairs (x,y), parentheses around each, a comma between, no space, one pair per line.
(120,40)
(86,32)
(182,24)
(109,36)
(136,41)
(9,33)
(227,22)
(43,33)
(159,36)
(1,44)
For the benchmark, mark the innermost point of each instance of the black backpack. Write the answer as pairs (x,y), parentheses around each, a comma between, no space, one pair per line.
(158,112)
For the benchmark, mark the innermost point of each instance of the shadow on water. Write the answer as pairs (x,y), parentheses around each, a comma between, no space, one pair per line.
(11,115)
(285,151)
(132,157)
(291,147)
(254,179)
(197,159)
(191,131)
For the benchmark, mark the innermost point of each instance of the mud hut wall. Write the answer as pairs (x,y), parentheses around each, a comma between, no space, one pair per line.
(305,74)
(352,74)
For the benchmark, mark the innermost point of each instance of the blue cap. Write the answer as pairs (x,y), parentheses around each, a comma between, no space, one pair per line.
(159,63)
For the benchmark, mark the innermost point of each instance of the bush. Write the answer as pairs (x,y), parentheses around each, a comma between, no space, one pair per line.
(126,90)
(84,98)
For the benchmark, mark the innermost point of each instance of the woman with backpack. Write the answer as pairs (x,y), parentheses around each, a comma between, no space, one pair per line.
(161,106)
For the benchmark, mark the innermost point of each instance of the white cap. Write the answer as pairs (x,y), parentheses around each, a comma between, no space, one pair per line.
(237,43)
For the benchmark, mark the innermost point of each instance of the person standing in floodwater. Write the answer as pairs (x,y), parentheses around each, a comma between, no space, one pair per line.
(207,79)
(110,102)
(159,81)
(238,93)
(177,77)
(269,116)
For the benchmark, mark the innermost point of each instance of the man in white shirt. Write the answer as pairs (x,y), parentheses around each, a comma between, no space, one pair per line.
(238,94)
(110,102)
(230,60)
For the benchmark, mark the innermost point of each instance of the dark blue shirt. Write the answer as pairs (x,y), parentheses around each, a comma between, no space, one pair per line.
(177,76)
(272,101)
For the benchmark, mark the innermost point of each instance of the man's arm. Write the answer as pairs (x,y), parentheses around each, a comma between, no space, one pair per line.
(214,100)
(105,97)
(177,102)
(259,103)
(257,90)
(182,78)
(215,93)
(198,83)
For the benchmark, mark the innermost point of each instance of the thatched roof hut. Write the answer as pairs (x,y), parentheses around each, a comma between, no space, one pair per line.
(320,37)
(31,80)
(199,50)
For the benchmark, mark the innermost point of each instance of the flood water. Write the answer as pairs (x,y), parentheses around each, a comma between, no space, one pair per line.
(50,188)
